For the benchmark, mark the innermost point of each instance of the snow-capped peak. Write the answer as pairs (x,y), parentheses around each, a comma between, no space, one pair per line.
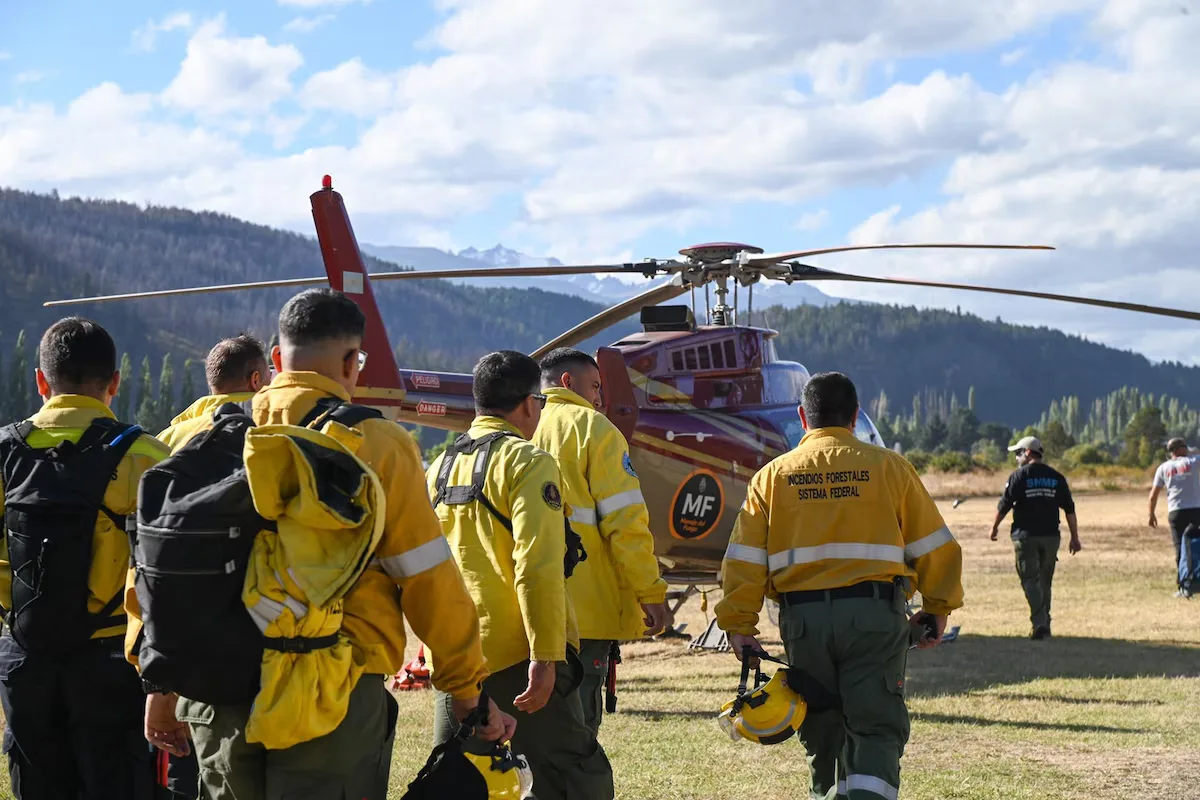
(501,256)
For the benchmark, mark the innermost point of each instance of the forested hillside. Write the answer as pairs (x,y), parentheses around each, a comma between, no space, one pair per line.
(53,248)
(922,363)
(1015,370)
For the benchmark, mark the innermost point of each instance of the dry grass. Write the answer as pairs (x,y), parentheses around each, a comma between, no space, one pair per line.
(950,485)
(1106,709)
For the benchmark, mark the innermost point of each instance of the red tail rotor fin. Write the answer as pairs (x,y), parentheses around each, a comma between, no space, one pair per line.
(379,384)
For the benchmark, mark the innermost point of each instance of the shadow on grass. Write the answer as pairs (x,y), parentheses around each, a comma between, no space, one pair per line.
(956,719)
(979,662)
(1075,701)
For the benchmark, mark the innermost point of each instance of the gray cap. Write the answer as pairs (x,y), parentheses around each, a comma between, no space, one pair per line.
(1028,443)
(1176,444)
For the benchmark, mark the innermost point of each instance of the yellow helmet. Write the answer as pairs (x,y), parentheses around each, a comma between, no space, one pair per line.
(453,772)
(769,714)
(506,774)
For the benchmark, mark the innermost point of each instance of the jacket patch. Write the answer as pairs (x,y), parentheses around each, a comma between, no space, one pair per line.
(627,463)
(551,495)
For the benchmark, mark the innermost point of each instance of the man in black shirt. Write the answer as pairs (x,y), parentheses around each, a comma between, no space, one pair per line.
(1035,492)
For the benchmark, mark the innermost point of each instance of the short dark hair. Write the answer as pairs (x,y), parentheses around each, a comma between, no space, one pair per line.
(562,359)
(76,354)
(501,380)
(320,315)
(830,400)
(232,361)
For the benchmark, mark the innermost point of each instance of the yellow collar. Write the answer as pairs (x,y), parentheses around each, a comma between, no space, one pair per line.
(208,404)
(843,434)
(489,424)
(561,394)
(309,380)
(70,411)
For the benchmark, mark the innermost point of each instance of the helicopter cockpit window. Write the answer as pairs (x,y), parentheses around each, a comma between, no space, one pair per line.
(718,358)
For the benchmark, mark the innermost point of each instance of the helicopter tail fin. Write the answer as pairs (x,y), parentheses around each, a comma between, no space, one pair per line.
(379,384)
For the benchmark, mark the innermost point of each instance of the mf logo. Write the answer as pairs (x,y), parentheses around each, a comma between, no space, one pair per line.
(698,505)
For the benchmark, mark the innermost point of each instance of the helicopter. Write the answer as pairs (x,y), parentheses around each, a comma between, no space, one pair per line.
(703,406)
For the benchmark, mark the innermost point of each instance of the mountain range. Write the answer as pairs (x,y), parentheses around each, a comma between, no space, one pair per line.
(600,288)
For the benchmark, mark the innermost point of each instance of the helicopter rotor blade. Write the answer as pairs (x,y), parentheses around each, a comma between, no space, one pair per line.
(806,273)
(614,314)
(482,272)
(775,258)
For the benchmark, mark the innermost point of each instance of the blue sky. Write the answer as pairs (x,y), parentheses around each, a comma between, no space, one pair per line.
(598,131)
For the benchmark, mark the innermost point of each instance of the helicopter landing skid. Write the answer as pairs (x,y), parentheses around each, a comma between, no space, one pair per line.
(713,638)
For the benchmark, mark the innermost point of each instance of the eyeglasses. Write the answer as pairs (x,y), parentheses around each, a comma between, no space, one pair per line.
(362,357)
(541,398)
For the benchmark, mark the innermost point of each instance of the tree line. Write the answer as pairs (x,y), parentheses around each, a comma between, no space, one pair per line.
(1127,426)
(149,397)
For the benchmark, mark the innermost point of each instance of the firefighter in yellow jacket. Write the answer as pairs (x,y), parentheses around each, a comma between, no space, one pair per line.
(841,533)
(618,593)
(235,369)
(73,707)
(502,510)
(412,575)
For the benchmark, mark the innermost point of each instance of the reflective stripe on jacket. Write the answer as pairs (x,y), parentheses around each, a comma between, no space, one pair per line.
(327,528)
(609,513)
(66,417)
(515,578)
(833,512)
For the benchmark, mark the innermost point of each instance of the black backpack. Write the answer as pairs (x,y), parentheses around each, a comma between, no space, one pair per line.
(52,499)
(191,544)
(461,495)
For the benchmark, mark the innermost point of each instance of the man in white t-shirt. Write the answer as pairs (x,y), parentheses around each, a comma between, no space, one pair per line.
(1180,475)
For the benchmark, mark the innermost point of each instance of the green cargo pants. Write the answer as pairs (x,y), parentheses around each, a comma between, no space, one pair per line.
(593,653)
(351,763)
(857,648)
(1036,558)
(567,761)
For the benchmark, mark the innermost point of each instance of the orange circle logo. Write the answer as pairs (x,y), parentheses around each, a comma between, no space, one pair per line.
(697,506)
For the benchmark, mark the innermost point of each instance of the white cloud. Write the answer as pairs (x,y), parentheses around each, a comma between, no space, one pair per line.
(29,76)
(350,87)
(606,120)
(145,37)
(308,24)
(813,220)
(1013,56)
(223,73)
(5,55)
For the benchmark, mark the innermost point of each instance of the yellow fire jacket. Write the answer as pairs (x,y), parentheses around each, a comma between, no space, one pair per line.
(327,529)
(412,557)
(836,511)
(609,514)
(197,417)
(66,417)
(515,578)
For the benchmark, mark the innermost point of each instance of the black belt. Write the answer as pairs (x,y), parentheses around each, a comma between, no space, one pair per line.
(879,589)
(299,644)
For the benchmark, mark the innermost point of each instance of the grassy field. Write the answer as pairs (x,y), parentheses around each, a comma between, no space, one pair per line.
(1105,709)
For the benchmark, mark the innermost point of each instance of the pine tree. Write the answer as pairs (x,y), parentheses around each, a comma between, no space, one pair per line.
(145,400)
(188,392)
(165,408)
(125,392)
(18,379)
